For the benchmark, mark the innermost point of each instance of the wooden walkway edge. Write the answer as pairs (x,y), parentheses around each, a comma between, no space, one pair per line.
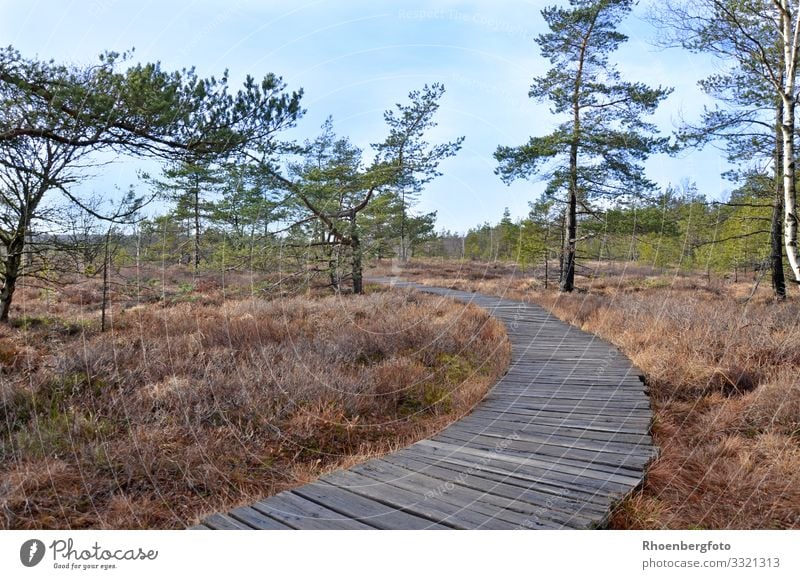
(555,444)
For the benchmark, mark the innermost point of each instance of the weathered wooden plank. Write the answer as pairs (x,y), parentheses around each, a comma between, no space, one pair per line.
(257,520)
(546,482)
(499,510)
(511,382)
(522,427)
(560,510)
(567,397)
(549,477)
(587,399)
(607,414)
(636,419)
(445,513)
(565,422)
(574,376)
(539,394)
(568,392)
(585,471)
(509,427)
(606,462)
(501,435)
(569,376)
(602,365)
(222,522)
(364,509)
(300,513)
(576,406)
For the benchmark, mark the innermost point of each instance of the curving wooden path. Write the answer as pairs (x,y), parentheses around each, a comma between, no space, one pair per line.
(557,441)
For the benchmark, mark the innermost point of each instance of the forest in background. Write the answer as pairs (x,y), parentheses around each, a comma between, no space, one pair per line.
(678,230)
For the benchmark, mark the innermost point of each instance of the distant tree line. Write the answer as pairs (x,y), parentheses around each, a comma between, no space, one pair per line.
(677,229)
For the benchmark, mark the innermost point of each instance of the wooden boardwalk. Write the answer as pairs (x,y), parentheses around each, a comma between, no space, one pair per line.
(557,441)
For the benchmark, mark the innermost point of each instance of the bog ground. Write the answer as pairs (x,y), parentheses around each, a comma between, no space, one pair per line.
(208,396)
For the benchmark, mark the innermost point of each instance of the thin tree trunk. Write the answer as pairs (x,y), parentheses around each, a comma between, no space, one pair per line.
(790,44)
(789,194)
(546,273)
(403,256)
(563,231)
(776,247)
(546,252)
(567,281)
(355,245)
(776,250)
(196,226)
(757,281)
(105,285)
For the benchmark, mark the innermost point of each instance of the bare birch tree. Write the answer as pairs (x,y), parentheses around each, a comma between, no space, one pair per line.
(762,39)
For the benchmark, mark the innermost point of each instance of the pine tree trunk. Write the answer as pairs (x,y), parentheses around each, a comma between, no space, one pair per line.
(355,245)
(545,271)
(196,226)
(403,255)
(563,231)
(567,281)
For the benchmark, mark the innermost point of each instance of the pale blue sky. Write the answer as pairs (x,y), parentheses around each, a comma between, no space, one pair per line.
(356,58)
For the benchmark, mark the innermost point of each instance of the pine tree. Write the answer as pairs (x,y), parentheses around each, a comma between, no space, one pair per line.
(405,146)
(598,150)
(189,185)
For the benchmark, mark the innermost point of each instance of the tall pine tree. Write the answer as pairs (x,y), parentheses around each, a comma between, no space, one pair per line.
(598,150)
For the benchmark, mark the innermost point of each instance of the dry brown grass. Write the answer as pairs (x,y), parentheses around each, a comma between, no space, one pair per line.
(196,402)
(724,378)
